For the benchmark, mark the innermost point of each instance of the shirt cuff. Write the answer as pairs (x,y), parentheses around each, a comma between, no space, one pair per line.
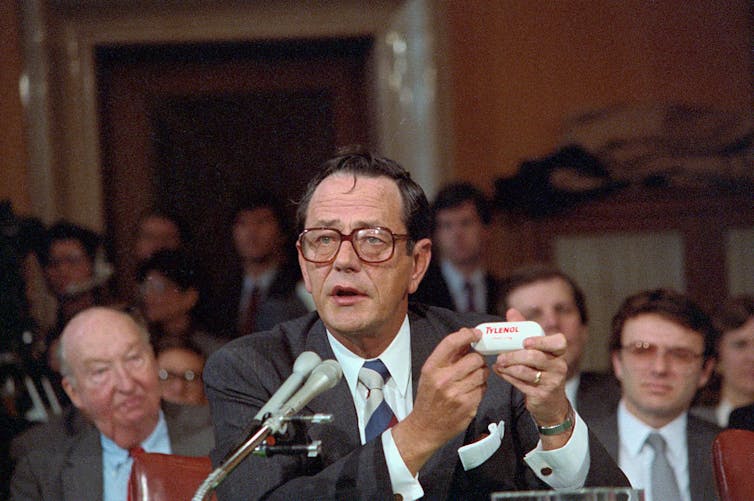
(404,484)
(566,467)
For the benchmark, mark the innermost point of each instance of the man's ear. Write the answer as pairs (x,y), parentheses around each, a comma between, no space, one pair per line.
(71,391)
(304,272)
(707,369)
(617,365)
(421,255)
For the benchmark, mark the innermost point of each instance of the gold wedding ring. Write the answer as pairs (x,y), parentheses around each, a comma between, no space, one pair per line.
(538,377)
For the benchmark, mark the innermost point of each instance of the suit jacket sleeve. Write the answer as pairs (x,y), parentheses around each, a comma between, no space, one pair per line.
(345,470)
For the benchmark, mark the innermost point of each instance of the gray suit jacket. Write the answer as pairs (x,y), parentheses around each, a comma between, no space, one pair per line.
(62,460)
(699,437)
(241,376)
(598,395)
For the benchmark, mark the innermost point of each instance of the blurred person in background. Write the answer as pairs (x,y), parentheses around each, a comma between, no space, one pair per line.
(158,230)
(732,384)
(110,374)
(265,289)
(171,290)
(555,301)
(458,280)
(180,364)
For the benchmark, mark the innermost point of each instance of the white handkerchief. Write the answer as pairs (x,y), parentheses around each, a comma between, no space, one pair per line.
(472,455)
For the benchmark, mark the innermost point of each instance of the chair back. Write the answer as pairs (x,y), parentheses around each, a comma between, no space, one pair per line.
(733,460)
(167,477)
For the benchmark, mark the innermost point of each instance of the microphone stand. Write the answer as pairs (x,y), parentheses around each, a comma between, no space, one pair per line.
(215,478)
(273,424)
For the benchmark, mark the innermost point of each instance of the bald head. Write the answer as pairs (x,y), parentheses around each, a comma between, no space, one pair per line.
(90,320)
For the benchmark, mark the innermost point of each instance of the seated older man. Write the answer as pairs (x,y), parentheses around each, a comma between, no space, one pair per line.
(110,374)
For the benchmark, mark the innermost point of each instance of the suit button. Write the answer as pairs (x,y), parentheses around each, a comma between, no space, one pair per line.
(546,471)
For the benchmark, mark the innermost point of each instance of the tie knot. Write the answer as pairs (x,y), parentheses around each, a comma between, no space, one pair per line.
(373,374)
(657,443)
(133,451)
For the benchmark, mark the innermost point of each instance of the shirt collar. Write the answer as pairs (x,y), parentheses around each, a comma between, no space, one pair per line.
(456,280)
(633,432)
(572,388)
(157,441)
(396,357)
(261,282)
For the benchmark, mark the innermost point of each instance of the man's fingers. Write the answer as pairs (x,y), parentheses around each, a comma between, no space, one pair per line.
(452,347)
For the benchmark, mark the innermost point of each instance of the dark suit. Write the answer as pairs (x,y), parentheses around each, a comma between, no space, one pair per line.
(241,376)
(742,418)
(433,290)
(597,396)
(699,437)
(279,304)
(62,460)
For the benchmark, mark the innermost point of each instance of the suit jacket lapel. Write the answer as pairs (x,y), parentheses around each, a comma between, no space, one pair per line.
(343,432)
(82,469)
(438,471)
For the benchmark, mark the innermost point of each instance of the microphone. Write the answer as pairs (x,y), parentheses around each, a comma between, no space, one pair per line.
(325,376)
(302,367)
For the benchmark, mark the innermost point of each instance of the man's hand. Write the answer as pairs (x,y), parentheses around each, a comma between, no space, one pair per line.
(451,386)
(539,371)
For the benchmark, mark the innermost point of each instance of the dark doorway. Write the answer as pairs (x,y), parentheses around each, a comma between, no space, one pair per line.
(189,128)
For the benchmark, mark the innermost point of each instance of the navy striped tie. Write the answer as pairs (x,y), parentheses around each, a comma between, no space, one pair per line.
(378,414)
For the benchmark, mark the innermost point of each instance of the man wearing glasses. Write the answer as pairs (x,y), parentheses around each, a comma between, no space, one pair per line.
(450,428)
(662,346)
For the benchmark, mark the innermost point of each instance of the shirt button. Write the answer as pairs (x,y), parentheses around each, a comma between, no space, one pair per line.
(546,471)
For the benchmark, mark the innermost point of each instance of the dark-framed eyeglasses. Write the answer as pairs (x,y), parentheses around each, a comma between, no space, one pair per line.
(645,352)
(372,244)
(188,376)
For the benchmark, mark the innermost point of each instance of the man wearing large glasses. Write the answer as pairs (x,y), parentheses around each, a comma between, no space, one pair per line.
(662,347)
(364,247)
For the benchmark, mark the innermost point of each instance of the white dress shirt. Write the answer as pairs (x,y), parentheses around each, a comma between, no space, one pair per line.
(116,462)
(570,463)
(635,456)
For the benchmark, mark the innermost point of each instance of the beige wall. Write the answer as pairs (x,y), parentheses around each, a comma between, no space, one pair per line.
(520,67)
(13,157)
(515,70)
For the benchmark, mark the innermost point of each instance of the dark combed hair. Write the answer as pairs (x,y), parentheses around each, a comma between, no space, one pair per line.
(184,232)
(258,199)
(527,275)
(732,314)
(358,162)
(671,305)
(64,230)
(176,265)
(454,195)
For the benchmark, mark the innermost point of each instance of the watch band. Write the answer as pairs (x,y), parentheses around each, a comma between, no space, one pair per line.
(557,429)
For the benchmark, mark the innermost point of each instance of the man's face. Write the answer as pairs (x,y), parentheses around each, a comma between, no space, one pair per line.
(460,234)
(156,233)
(550,303)
(257,234)
(659,385)
(69,265)
(736,361)
(164,300)
(175,365)
(113,377)
(356,299)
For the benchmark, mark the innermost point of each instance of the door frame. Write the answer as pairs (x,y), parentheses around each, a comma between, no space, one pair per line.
(411,121)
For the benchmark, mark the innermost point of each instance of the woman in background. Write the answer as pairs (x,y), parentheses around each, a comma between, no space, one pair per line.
(170,292)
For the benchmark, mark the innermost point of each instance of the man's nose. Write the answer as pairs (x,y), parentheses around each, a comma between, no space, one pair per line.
(346,257)
(124,380)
